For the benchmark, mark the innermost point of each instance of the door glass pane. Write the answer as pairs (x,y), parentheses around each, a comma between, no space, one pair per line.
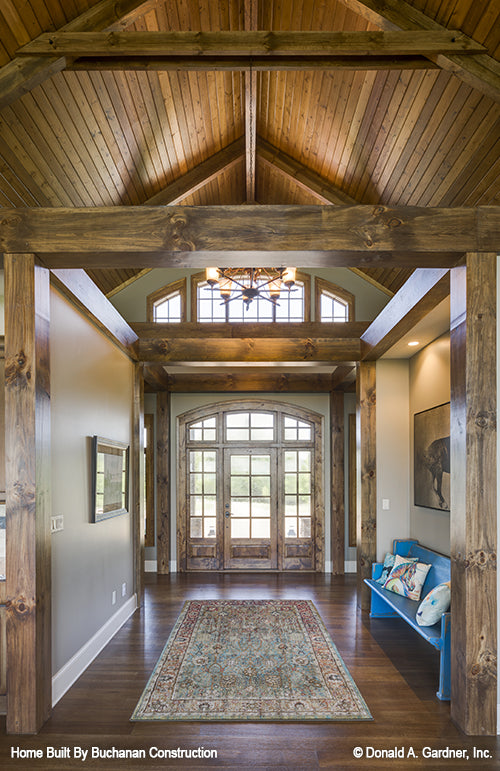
(305,528)
(240,507)
(240,528)
(209,525)
(261,485)
(290,527)
(261,464)
(240,464)
(261,528)
(261,507)
(298,489)
(240,486)
(196,527)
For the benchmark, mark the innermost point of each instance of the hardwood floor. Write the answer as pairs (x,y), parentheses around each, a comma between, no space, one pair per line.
(396,672)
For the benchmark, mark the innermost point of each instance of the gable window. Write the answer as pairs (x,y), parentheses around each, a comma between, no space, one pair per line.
(168,304)
(333,303)
(208,305)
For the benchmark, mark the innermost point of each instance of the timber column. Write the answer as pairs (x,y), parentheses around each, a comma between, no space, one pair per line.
(27,467)
(366,477)
(473,495)
(162,481)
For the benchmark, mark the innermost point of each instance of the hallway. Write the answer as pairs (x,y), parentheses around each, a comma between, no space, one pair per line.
(395,670)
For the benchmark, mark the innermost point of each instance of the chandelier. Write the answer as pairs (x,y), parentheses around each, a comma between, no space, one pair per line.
(250,284)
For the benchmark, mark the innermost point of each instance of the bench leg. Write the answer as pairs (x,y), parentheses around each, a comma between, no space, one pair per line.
(445,660)
(379,608)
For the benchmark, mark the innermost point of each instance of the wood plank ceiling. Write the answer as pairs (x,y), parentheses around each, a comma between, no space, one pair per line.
(97,137)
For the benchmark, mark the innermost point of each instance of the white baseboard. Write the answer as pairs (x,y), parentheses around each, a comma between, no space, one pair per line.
(498,719)
(173,566)
(350,566)
(71,671)
(150,566)
(328,566)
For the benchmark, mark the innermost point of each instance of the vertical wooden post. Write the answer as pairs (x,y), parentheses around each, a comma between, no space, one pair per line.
(138,475)
(473,495)
(366,473)
(163,481)
(27,450)
(337,481)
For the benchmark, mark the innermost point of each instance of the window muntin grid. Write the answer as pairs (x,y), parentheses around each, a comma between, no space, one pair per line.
(250,491)
(203,430)
(169,309)
(333,308)
(250,427)
(290,306)
(202,486)
(298,493)
(296,430)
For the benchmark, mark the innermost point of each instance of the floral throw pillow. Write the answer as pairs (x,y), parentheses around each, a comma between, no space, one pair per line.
(434,605)
(388,566)
(407,578)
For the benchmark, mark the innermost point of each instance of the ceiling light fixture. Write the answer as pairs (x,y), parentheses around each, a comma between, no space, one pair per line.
(251,283)
(413,343)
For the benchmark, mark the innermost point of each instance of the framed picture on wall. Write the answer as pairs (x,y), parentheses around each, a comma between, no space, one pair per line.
(431,458)
(109,473)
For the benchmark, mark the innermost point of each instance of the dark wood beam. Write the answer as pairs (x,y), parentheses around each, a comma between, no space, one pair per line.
(324,330)
(264,381)
(271,349)
(367,230)
(473,518)
(25,72)
(302,176)
(163,445)
(481,71)
(420,294)
(337,488)
(366,477)
(79,288)
(256,63)
(155,379)
(344,376)
(250,11)
(201,175)
(28,509)
(250,43)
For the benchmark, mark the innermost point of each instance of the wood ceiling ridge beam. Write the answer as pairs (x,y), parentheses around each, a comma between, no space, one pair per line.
(481,72)
(423,291)
(319,330)
(261,382)
(301,175)
(23,73)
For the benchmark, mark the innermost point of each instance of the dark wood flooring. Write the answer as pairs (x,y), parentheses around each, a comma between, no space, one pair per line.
(395,670)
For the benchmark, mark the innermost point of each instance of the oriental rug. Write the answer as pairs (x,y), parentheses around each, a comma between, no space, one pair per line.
(250,660)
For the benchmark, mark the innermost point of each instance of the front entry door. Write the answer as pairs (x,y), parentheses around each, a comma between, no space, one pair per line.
(250,509)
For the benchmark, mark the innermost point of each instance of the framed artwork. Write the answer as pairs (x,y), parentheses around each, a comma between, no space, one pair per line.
(431,458)
(109,470)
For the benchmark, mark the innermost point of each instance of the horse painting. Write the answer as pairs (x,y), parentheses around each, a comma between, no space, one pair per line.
(437,460)
(432,458)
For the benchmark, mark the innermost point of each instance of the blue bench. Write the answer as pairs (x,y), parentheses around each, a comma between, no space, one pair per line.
(385,604)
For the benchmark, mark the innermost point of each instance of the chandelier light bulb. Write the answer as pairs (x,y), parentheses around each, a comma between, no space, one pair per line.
(212,276)
(288,277)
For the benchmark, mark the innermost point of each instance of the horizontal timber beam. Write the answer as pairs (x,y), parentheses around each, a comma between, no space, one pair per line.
(79,288)
(230,349)
(420,294)
(258,382)
(348,230)
(270,45)
(259,330)
(23,73)
(481,72)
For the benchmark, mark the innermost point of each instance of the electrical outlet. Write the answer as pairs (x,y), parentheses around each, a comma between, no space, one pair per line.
(124,589)
(113,597)
(386,504)
(56,523)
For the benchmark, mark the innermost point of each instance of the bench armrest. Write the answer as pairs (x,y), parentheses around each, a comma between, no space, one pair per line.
(377,569)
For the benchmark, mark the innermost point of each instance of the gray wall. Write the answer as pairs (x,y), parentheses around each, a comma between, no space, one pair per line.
(429,387)
(92,385)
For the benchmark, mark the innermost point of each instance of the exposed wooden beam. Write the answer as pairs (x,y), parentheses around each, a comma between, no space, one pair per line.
(28,509)
(25,72)
(362,230)
(155,379)
(481,71)
(420,294)
(344,376)
(79,288)
(230,349)
(301,175)
(337,488)
(473,519)
(163,449)
(366,477)
(251,43)
(201,175)
(250,79)
(241,331)
(256,63)
(264,381)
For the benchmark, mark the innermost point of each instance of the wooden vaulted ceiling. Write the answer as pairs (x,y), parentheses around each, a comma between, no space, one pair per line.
(95,134)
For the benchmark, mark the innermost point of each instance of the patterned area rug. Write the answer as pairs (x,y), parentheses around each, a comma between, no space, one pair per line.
(250,660)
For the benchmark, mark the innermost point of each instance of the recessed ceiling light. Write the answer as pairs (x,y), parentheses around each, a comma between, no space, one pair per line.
(413,343)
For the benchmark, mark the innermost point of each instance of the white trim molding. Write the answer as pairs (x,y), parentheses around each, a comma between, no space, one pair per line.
(350,566)
(150,566)
(71,671)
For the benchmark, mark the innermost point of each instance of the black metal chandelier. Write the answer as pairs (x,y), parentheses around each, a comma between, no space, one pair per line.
(250,284)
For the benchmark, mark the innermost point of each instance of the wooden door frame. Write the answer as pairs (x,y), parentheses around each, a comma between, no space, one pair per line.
(208,410)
